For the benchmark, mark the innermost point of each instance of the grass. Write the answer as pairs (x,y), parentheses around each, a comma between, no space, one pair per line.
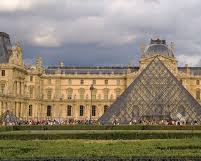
(100,148)
(52,143)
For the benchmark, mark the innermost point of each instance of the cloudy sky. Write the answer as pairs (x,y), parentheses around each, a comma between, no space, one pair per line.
(101,32)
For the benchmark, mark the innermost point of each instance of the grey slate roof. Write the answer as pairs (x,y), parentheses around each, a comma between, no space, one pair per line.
(90,70)
(193,70)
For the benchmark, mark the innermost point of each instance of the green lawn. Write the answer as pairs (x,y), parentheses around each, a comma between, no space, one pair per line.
(100,148)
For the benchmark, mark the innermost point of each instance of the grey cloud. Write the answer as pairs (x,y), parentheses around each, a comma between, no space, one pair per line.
(73,29)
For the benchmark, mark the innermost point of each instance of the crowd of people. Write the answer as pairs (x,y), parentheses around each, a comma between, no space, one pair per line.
(88,122)
(158,122)
(49,122)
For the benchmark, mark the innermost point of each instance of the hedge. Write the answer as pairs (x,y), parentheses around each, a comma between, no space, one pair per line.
(98,127)
(6,128)
(102,135)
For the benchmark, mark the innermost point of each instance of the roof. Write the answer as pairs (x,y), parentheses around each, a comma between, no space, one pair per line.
(193,70)
(90,70)
(158,47)
(108,70)
(3,34)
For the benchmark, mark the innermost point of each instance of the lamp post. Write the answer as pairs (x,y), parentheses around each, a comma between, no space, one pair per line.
(91,89)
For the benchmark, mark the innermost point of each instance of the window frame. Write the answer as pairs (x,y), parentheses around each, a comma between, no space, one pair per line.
(3,73)
(93,110)
(49,111)
(69,110)
(81,110)
(106,81)
(82,81)
(30,112)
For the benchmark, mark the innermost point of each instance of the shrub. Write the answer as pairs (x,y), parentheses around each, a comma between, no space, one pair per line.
(98,127)
(101,135)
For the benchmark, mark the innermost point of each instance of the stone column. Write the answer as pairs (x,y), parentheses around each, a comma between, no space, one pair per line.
(23,111)
(15,88)
(22,89)
(19,109)
(3,106)
(18,91)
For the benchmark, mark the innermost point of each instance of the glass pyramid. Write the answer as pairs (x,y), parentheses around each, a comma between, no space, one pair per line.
(9,118)
(155,94)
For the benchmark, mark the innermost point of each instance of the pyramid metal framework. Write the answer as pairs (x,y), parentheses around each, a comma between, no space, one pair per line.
(155,94)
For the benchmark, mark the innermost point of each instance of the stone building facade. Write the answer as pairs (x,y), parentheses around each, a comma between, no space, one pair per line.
(81,93)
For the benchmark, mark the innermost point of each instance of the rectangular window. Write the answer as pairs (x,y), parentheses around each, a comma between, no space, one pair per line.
(31,78)
(106,96)
(82,81)
(81,110)
(3,73)
(105,108)
(106,81)
(2,88)
(93,110)
(49,81)
(49,110)
(198,94)
(94,82)
(197,82)
(118,92)
(93,95)
(69,82)
(118,82)
(30,110)
(31,92)
(69,110)
(49,94)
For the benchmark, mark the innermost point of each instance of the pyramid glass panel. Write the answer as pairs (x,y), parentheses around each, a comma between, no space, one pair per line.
(155,94)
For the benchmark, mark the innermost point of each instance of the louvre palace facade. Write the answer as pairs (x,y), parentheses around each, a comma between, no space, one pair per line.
(65,92)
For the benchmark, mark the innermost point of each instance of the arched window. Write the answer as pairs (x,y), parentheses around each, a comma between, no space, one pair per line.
(198,94)
(105,93)
(94,92)
(93,110)
(81,92)
(30,110)
(118,92)
(81,110)
(69,110)
(49,110)
(105,108)
(69,93)
(2,88)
